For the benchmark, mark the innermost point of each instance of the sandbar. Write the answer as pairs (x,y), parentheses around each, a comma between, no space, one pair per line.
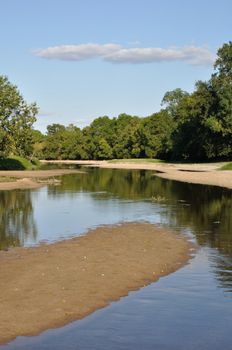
(198,173)
(30,179)
(51,285)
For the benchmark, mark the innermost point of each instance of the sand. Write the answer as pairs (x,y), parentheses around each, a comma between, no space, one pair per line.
(31,179)
(50,285)
(205,174)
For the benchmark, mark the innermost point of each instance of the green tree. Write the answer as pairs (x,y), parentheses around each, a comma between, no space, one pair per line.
(128,139)
(100,138)
(156,135)
(203,128)
(65,142)
(16,121)
(39,142)
(172,102)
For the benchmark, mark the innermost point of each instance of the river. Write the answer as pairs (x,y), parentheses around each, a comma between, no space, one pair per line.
(189,309)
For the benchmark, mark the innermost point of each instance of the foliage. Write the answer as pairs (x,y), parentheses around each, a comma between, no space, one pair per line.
(156,135)
(16,163)
(204,118)
(64,143)
(16,120)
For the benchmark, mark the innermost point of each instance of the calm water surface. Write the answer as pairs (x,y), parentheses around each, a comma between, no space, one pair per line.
(190,309)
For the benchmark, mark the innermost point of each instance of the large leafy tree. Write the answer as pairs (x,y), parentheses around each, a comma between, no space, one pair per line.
(128,140)
(203,128)
(100,138)
(16,120)
(65,142)
(156,135)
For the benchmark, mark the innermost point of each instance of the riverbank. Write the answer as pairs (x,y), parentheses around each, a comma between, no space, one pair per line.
(27,179)
(200,173)
(51,285)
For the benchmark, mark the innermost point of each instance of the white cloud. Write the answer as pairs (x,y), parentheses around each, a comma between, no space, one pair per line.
(117,54)
(77,52)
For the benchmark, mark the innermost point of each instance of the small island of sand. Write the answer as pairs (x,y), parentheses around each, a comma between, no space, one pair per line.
(50,285)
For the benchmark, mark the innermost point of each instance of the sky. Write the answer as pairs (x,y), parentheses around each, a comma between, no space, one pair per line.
(81,59)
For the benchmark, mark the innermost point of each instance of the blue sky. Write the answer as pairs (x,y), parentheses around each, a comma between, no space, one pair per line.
(80,59)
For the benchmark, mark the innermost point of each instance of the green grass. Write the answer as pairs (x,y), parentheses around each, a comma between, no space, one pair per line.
(17,163)
(136,160)
(227,166)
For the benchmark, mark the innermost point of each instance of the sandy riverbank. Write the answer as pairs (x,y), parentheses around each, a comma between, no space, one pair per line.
(30,179)
(51,285)
(205,174)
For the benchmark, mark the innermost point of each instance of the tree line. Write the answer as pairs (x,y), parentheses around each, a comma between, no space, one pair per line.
(193,126)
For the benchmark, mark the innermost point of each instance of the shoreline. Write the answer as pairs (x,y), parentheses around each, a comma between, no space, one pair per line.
(200,173)
(203,174)
(70,279)
(32,179)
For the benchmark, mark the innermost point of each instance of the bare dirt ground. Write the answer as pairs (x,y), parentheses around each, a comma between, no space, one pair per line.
(51,285)
(30,179)
(206,174)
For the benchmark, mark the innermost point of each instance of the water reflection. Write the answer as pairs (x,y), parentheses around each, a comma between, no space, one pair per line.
(206,210)
(16,218)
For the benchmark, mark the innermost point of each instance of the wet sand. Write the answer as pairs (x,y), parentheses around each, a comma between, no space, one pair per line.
(205,174)
(51,285)
(31,179)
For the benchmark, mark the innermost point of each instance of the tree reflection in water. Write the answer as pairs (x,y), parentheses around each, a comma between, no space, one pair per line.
(206,211)
(16,218)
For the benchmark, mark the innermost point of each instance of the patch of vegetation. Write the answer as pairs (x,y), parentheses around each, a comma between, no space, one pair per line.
(16,163)
(227,166)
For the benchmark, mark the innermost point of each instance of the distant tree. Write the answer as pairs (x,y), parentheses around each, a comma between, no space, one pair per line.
(54,141)
(65,143)
(16,121)
(156,135)
(172,100)
(38,141)
(128,142)
(100,137)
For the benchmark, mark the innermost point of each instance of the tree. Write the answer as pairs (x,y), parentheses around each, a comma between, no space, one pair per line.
(16,121)
(127,142)
(156,135)
(38,140)
(65,142)
(171,101)
(100,137)
(223,63)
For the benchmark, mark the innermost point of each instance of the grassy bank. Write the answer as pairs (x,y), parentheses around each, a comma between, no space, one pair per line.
(18,163)
(227,166)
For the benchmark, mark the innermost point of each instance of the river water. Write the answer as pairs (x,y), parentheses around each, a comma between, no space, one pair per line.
(189,309)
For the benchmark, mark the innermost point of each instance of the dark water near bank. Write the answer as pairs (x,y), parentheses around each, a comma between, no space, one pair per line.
(190,309)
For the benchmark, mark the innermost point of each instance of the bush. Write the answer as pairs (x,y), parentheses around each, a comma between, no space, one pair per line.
(17,163)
